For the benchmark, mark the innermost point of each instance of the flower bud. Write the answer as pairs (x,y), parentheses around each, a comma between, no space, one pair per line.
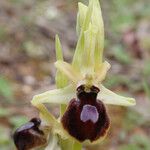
(29,135)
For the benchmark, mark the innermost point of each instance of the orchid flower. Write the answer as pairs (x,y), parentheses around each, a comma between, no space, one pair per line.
(80,92)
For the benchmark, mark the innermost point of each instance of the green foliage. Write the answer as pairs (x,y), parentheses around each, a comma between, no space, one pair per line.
(16,1)
(132,120)
(124,17)
(115,80)
(146,88)
(6,142)
(4,112)
(134,140)
(137,142)
(3,33)
(146,74)
(5,139)
(18,120)
(121,55)
(146,69)
(4,135)
(6,89)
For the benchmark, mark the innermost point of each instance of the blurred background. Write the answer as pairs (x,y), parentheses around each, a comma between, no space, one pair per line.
(27,54)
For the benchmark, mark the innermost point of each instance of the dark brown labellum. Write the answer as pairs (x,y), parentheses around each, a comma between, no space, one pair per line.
(86,117)
(29,135)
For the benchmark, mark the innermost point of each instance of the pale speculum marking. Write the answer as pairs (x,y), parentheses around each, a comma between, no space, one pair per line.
(89,113)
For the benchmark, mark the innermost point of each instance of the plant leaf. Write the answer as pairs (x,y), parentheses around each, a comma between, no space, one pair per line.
(60,79)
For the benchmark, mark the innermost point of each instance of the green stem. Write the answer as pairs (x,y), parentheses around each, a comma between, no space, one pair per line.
(62,109)
(66,144)
(77,146)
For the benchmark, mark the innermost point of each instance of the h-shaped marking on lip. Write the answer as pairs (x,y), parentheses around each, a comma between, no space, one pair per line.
(89,112)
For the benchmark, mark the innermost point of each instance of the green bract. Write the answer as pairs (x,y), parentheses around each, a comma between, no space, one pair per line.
(87,68)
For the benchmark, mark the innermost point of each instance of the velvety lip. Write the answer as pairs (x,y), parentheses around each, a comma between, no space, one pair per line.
(86,117)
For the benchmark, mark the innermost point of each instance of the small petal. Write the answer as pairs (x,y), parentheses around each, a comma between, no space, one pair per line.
(109,97)
(69,71)
(58,96)
(101,72)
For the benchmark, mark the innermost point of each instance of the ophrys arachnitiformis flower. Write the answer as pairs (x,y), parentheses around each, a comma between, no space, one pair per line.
(81,89)
(80,92)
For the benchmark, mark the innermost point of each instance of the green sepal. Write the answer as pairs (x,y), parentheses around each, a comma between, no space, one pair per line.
(57,96)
